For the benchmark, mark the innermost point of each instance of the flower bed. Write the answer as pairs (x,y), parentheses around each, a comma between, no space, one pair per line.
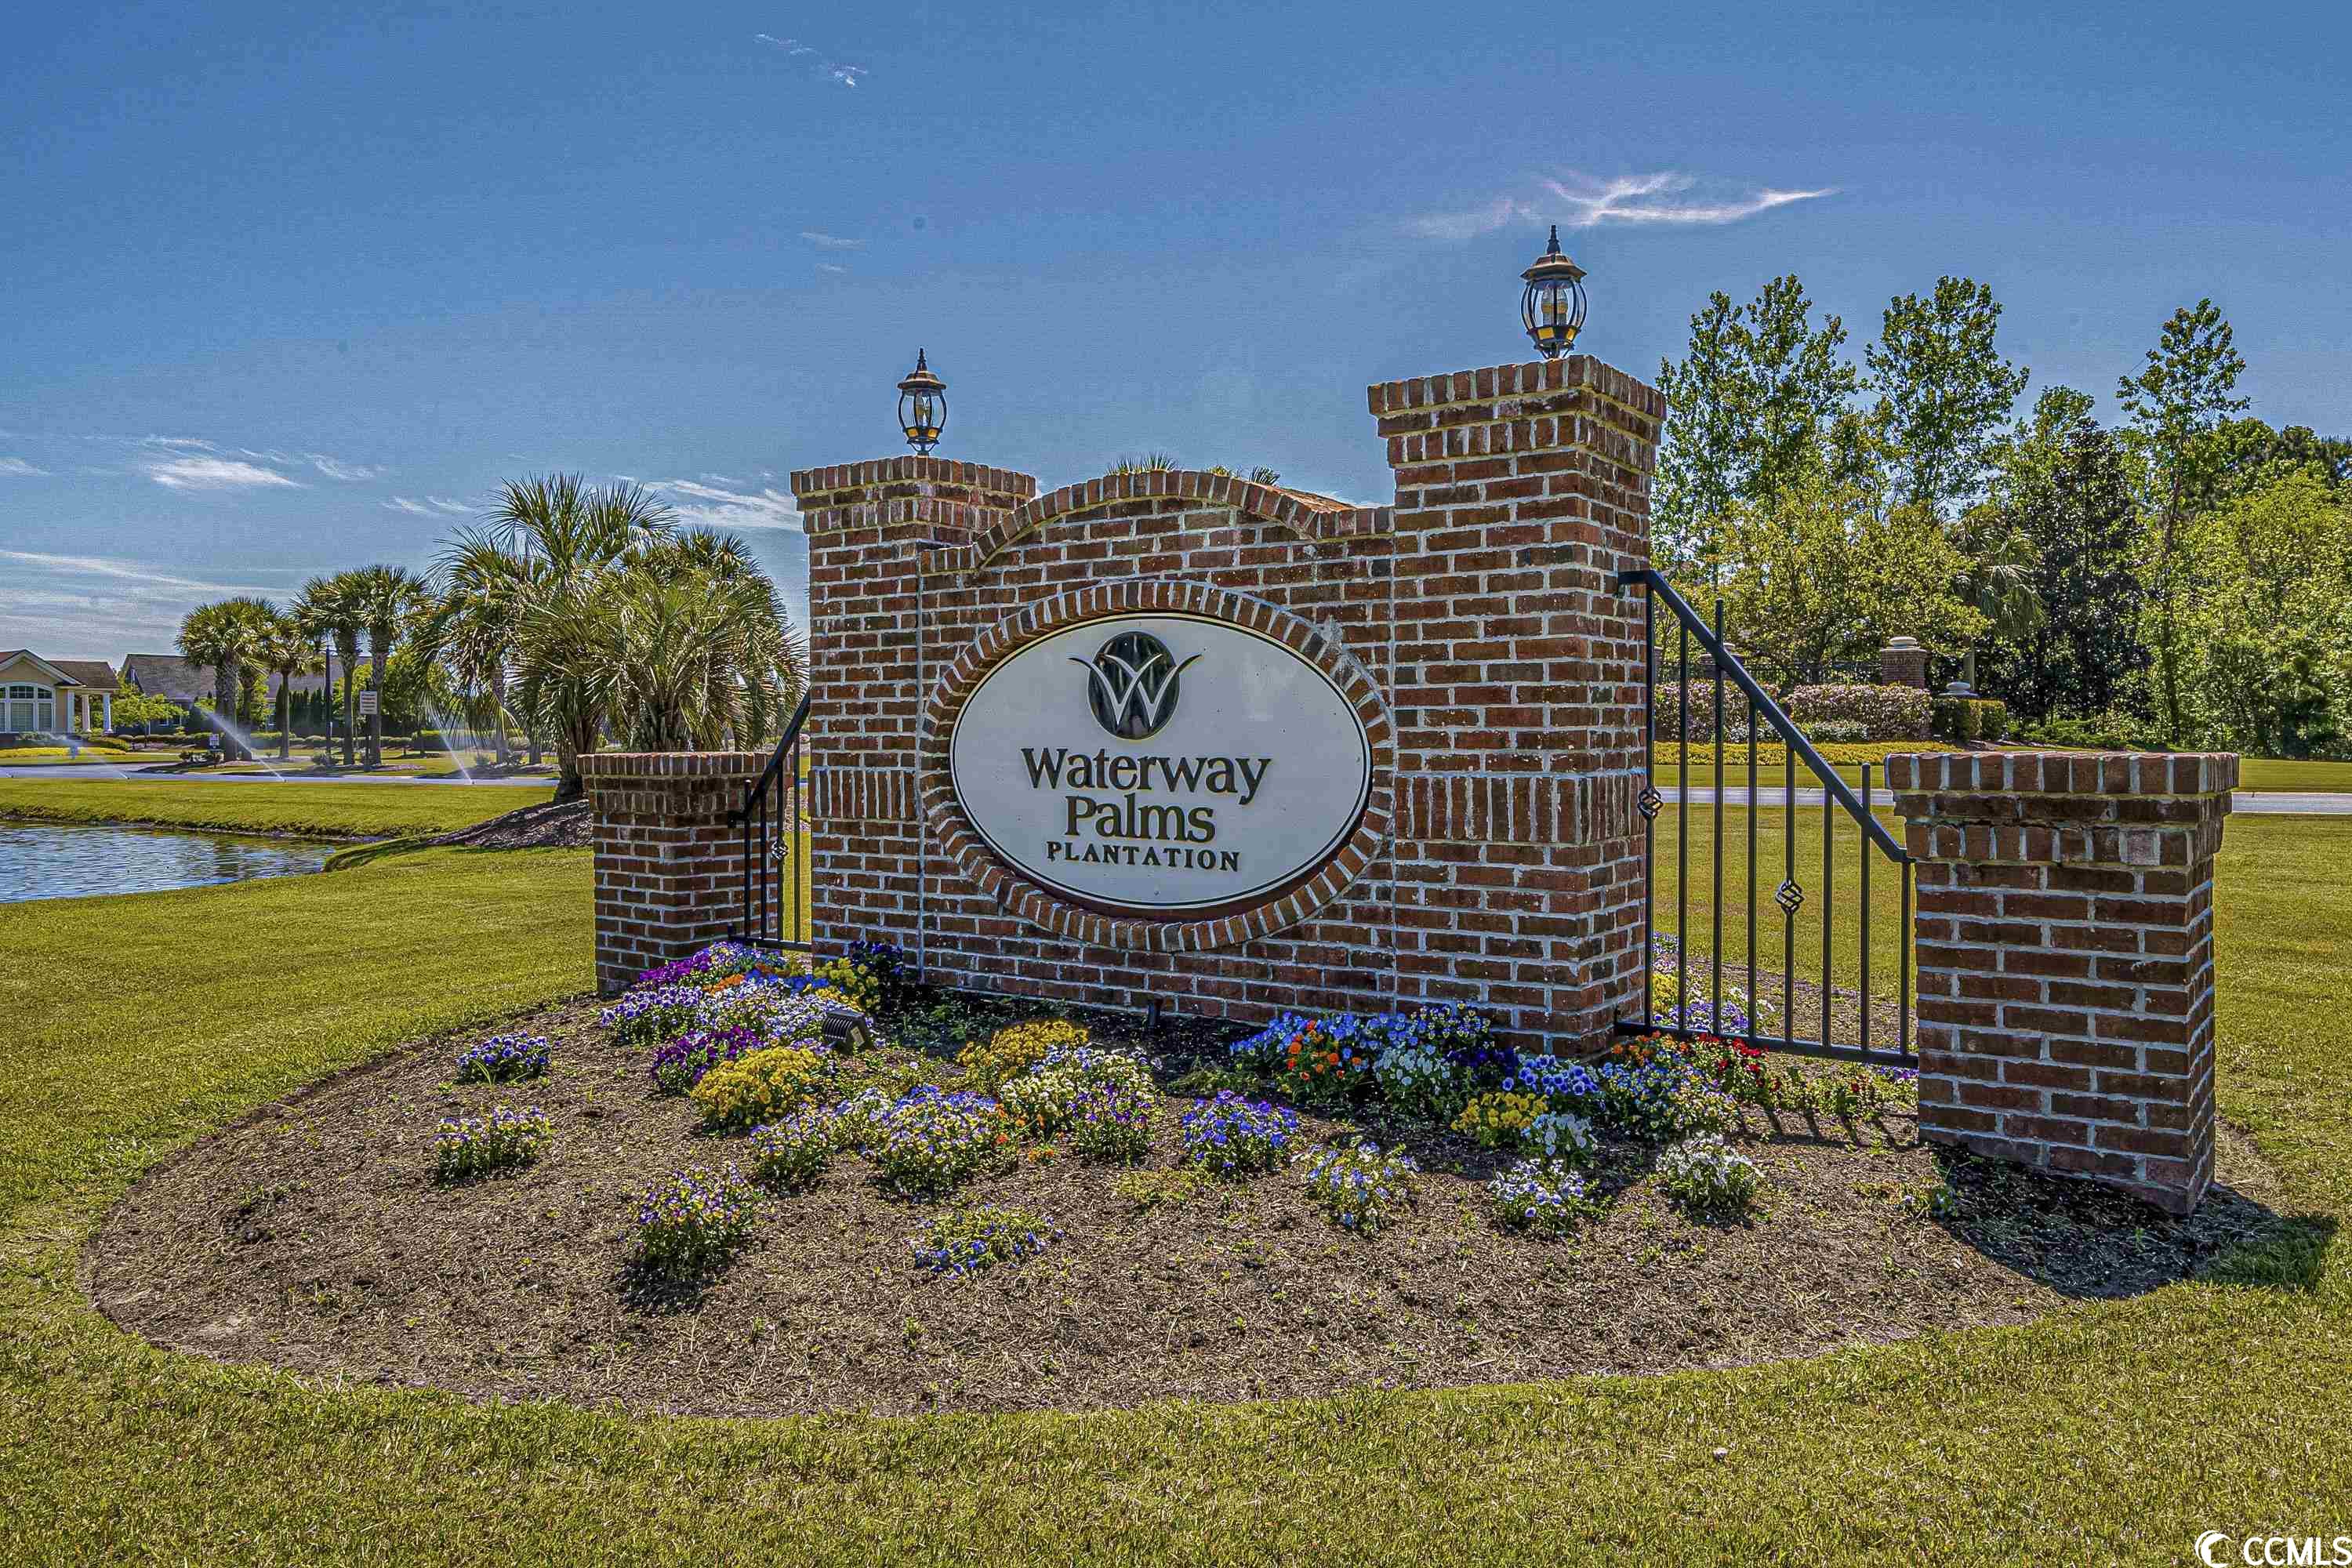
(1224,1242)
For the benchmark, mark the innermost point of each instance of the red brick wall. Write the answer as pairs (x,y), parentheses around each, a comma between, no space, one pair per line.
(669,864)
(1482,606)
(2064,934)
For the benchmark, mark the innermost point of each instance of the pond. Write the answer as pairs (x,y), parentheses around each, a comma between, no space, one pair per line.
(46,862)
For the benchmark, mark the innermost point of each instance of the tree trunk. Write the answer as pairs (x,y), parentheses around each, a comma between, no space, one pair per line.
(498,683)
(348,648)
(376,719)
(285,713)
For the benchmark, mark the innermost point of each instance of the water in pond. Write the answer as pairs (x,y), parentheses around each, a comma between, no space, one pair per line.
(50,862)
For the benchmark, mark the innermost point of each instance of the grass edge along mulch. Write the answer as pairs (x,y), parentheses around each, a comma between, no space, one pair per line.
(2106,1432)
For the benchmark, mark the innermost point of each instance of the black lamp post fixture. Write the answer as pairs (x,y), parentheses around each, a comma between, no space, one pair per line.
(922,406)
(1552,309)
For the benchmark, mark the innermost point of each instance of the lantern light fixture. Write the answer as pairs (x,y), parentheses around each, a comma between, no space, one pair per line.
(1552,308)
(922,406)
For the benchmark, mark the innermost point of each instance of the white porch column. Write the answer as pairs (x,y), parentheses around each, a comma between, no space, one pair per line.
(106,706)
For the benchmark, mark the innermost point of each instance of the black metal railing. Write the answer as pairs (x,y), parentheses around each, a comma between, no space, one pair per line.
(774,911)
(1833,796)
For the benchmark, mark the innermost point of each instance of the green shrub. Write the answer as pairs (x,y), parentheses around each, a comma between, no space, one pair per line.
(2110,732)
(467,1146)
(1964,719)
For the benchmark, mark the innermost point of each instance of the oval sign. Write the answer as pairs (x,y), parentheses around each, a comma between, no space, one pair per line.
(1160,764)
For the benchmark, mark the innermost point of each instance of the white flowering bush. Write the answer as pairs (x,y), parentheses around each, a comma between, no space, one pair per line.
(1883,712)
(1419,1082)
(1707,1175)
(1557,1135)
(1039,1104)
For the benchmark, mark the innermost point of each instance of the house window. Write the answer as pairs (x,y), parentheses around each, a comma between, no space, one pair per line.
(29,709)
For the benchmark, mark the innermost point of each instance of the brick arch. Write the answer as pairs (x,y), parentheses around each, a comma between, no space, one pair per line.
(1025,900)
(1309,517)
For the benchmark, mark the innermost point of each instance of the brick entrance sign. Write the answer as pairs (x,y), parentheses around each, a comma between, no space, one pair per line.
(2065,951)
(1182,737)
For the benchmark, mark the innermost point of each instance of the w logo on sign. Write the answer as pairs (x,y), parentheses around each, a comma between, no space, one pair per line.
(1131,684)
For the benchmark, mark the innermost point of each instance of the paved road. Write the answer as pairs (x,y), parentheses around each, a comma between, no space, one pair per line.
(2256,803)
(102,772)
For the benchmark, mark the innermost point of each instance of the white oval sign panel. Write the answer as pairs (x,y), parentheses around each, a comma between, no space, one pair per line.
(1160,764)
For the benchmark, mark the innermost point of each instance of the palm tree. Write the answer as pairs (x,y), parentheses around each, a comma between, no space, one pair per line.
(472,628)
(1998,585)
(331,606)
(387,599)
(284,649)
(561,540)
(224,635)
(692,650)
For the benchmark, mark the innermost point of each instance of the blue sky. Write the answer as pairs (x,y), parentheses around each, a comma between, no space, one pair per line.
(291,286)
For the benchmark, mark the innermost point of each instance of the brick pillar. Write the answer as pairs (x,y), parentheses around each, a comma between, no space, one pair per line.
(2065,951)
(669,864)
(867,524)
(1903,662)
(1522,491)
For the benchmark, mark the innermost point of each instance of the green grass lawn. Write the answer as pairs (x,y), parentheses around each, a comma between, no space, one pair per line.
(2279,774)
(310,810)
(2113,1431)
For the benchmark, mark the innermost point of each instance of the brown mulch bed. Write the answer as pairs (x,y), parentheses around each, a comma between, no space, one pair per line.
(552,824)
(312,1237)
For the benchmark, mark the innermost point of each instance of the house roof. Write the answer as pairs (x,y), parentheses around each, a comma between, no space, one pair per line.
(93,673)
(168,675)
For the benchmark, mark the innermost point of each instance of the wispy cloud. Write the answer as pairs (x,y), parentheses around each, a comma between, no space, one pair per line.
(1583,201)
(831,267)
(98,606)
(217,474)
(707,506)
(831,241)
(335,469)
(431,506)
(16,467)
(832,70)
(124,572)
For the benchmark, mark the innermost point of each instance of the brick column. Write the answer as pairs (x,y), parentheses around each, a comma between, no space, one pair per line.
(669,864)
(2065,952)
(1522,491)
(868,526)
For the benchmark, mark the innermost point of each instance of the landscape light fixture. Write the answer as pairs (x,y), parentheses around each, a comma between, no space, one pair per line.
(1552,309)
(922,406)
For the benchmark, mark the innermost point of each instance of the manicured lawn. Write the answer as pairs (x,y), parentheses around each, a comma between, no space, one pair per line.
(2117,1430)
(311,810)
(2279,774)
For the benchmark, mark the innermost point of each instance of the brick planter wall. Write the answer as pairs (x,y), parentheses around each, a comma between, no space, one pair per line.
(1498,664)
(2065,952)
(669,864)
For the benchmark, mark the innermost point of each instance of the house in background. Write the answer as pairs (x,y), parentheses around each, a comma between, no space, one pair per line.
(55,695)
(180,681)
